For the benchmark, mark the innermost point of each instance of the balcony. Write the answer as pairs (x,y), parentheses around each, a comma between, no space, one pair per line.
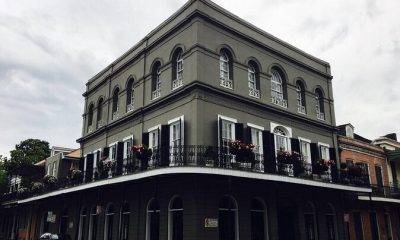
(129,107)
(301,109)
(202,159)
(177,83)
(254,93)
(226,83)
(279,101)
(156,94)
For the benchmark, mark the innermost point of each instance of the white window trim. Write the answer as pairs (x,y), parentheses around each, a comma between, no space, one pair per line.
(109,153)
(157,127)
(124,140)
(255,126)
(84,161)
(289,129)
(324,145)
(181,118)
(97,160)
(308,141)
(221,117)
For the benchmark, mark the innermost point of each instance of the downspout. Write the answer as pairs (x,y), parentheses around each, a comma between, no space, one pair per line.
(144,83)
(108,103)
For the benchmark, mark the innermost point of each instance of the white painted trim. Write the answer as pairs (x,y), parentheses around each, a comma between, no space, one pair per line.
(304,139)
(255,126)
(324,144)
(154,128)
(378,199)
(227,118)
(199,170)
(176,119)
(112,144)
(127,138)
(289,129)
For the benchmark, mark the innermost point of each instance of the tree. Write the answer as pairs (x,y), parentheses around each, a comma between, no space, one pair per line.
(30,151)
(3,175)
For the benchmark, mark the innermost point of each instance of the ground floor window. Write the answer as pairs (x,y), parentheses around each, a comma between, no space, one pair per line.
(309,222)
(153,220)
(64,222)
(257,220)
(227,219)
(93,223)
(374,226)
(388,226)
(82,224)
(125,213)
(358,228)
(176,219)
(109,222)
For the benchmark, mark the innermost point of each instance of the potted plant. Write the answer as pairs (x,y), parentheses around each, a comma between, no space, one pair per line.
(210,155)
(298,164)
(50,182)
(37,187)
(142,154)
(76,176)
(243,152)
(320,166)
(355,171)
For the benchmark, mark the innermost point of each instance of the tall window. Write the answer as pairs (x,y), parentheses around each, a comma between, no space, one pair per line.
(63,222)
(374,226)
(281,139)
(90,117)
(154,138)
(176,219)
(257,141)
(100,113)
(309,222)
(177,69)
(130,96)
(301,97)
(176,140)
(115,103)
(93,223)
(278,88)
(324,151)
(258,220)
(358,226)
(227,131)
(225,69)
(109,222)
(227,219)
(388,226)
(82,224)
(153,220)
(305,149)
(253,75)
(330,217)
(156,80)
(125,213)
(319,97)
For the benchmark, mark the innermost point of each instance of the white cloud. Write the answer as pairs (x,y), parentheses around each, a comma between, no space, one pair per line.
(50,48)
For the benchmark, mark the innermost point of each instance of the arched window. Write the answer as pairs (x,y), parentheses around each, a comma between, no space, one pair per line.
(82,233)
(258,220)
(330,217)
(93,223)
(226,69)
(253,75)
(156,80)
(63,222)
(109,222)
(309,222)
(301,97)
(278,88)
(176,219)
(227,219)
(130,96)
(125,213)
(100,113)
(115,103)
(177,68)
(281,139)
(90,117)
(153,220)
(319,97)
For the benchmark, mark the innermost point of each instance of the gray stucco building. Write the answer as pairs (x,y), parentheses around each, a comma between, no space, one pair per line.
(201,80)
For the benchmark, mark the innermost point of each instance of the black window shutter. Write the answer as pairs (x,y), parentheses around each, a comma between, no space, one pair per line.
(247,135)
(89,168)
(105,152)
(239,129)
(164,145)
(314,153)
(181,127)
(145,139)
(269,152)
(334,168)
(120,157)
(81,164)
(295,143)
(219,127)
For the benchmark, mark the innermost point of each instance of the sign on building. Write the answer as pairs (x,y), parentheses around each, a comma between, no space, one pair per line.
(51,217)
(211,222)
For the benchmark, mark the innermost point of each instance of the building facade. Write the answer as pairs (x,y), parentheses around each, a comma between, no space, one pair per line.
(167,129)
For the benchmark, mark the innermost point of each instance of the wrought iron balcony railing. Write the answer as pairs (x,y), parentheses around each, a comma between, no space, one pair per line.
(203,157)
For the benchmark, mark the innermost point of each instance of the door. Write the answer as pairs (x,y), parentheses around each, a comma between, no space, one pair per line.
(287,223)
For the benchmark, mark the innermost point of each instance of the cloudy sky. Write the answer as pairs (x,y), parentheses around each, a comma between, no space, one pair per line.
(50,48)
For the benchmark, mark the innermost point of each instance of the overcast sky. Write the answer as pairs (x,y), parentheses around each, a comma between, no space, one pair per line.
(50,48)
